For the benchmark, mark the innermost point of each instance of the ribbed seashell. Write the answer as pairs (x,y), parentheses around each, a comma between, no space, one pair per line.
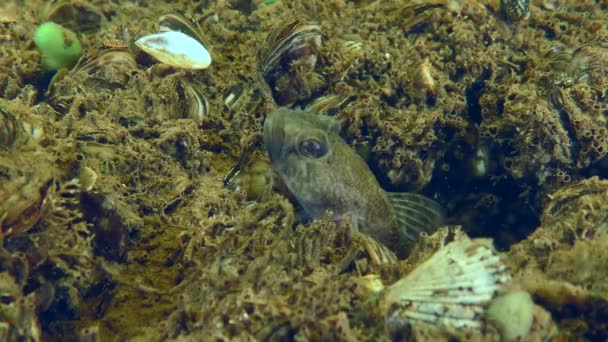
(452,288)
(288,60)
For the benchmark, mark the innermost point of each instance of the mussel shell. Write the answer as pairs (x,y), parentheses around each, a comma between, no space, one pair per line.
(10,129)
(14,131)
(76,16)
(99,58)
(187,101)
(197,105)
(177,22)
(288,42)
(244,98)
(176,49)
(293,43)
(330,104)
(23,201)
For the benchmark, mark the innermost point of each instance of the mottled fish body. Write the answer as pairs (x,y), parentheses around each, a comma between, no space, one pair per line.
(324,173)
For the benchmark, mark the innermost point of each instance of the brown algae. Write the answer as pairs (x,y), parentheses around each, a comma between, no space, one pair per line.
(116,223)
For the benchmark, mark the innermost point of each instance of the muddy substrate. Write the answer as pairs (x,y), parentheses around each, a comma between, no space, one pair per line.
(117,223)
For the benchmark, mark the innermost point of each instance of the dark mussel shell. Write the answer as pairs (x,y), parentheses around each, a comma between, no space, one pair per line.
(288,60)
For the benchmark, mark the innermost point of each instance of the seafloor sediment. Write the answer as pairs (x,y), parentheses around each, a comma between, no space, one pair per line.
(117,222)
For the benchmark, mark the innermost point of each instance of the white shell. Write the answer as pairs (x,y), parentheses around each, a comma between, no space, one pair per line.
(451,288)
(176,49)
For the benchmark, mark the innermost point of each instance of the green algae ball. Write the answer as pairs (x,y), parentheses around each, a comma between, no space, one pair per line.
(60,47)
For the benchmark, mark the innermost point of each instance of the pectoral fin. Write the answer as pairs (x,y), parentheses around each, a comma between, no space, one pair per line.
(416,213)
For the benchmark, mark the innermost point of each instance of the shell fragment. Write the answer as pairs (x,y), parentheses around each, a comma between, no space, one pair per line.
(176,49)
(451,288)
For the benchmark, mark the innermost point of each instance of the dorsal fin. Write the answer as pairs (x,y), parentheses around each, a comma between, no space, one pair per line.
(416,213)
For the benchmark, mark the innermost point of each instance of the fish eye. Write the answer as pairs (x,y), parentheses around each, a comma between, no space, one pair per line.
(312,148)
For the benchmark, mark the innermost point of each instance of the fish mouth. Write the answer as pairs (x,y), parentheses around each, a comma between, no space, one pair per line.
(274,134)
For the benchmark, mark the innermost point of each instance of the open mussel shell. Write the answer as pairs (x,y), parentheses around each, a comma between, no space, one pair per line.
(452,288)
(176,49)
(288,60)
(179,43)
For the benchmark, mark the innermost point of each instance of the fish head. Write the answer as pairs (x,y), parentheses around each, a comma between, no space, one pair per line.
(324,173)
(311,158)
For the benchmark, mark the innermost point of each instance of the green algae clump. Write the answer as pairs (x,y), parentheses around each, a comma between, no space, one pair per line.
(60,47)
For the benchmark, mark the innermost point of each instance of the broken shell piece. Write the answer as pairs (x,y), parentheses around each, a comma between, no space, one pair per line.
(451,288)
(176,49)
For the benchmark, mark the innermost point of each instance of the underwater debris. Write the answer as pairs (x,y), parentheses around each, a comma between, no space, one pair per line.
(577,211)
(18,312)
(426,82)
(14,131)
(89,334)
(414,14)
(176,49)
(513,313)
(514,10)
(23,201)
(288,60)
(111,232)
(256,179)
(451,288)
